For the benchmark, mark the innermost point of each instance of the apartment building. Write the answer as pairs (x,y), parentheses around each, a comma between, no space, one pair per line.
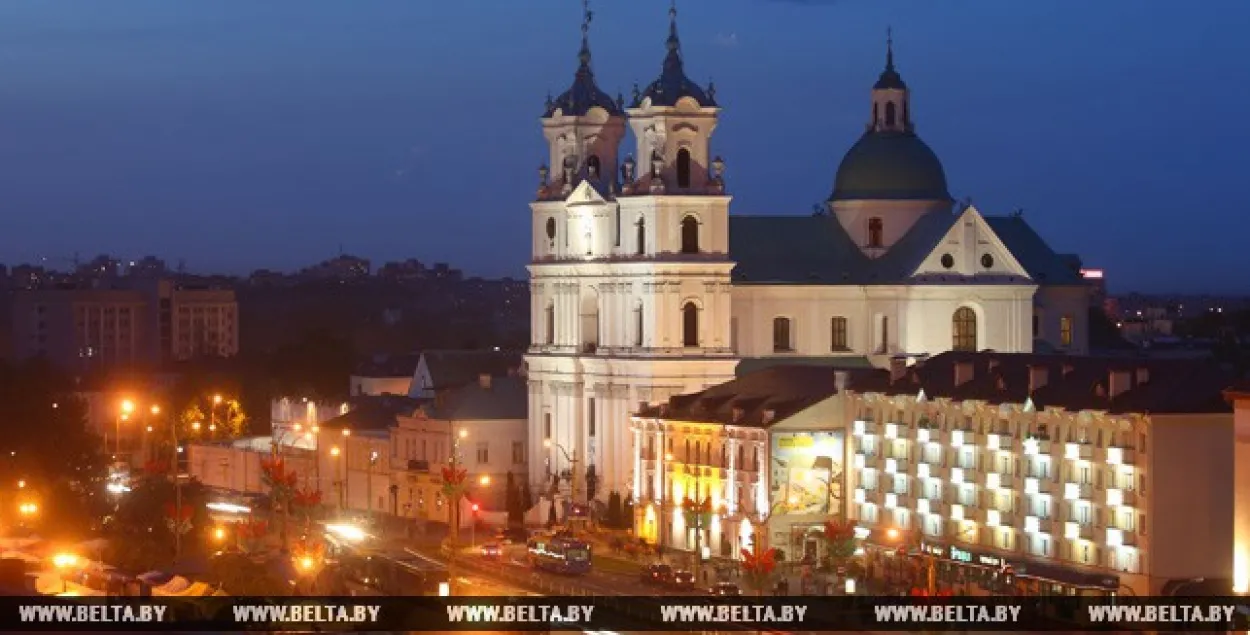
(148,322)
(1048,474)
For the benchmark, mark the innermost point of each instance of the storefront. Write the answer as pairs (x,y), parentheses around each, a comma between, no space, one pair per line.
(1045,578)
(969,571)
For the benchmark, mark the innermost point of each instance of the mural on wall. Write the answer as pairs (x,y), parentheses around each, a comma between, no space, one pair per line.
(807,472)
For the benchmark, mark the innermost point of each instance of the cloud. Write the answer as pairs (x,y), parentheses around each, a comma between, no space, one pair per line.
(727,40)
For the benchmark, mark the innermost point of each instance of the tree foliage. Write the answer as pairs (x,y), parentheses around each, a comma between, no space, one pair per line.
(758,566)
(205,419)
(513,502)
(141,536)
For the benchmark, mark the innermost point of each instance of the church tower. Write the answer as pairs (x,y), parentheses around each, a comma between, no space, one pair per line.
(630,281)
(890,178)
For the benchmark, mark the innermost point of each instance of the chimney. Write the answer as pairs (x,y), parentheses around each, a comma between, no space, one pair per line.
(963,373)
(1143,375)
(1038,375)
(483,380)
(898,368)
(840,378)
(1120,382)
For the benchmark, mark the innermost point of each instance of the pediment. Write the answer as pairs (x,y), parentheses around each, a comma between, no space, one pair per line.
(585,194)
(971,250)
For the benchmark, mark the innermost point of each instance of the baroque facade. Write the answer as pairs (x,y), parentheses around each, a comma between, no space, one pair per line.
(644,286)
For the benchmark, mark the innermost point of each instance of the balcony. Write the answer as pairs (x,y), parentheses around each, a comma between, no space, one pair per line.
(1038,525)
(1034,485)
(896,466)
(1078,531)
(1120,456)
(1037,447)
(1078,491)
(864,427)
(1121,538)
(1078,451)
(999,518)
(1121,498)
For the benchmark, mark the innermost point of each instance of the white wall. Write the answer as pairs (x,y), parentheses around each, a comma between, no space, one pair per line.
(430,440)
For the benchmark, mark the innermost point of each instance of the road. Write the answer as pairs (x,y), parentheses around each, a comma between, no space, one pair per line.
(512,565)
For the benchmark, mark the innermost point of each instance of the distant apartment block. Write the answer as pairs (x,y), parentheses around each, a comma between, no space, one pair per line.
(147,323)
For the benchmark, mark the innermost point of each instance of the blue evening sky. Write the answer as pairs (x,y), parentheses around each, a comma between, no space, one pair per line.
(234,134)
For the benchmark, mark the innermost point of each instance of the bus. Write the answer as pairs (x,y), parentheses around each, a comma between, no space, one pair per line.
(561,553)
(394,573)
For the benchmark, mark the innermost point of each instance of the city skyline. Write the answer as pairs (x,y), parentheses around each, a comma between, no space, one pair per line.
(261,137)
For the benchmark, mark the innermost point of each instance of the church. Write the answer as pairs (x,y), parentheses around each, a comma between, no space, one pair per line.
(643,285)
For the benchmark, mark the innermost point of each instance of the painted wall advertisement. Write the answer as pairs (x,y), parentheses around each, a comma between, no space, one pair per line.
(806,472)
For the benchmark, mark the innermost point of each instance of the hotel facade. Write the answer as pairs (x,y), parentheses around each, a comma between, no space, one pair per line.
(1046,474)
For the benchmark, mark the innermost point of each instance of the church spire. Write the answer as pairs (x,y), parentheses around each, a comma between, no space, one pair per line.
(673,83)
(890,79)
(584,94)
(889,48)
(674,44)
(890,98)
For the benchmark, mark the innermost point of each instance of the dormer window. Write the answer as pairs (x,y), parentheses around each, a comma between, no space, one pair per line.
(876,232)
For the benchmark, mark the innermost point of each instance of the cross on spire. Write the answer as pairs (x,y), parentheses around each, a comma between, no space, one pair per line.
(889,48)
(587,14)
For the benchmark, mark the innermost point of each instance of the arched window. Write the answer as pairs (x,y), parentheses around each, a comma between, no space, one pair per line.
(876,232)
(965,330)
(689,235)
(781,335)
(889,114)
(592,166)
(642,236)
(683,168)
(551,229)
(550,320)
(689,325)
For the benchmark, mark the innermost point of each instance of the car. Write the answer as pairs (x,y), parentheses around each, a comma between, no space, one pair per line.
(725,589)
(656,574)
(682,580)
(491,550)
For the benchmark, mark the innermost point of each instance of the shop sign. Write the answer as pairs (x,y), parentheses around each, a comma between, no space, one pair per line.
(933,550)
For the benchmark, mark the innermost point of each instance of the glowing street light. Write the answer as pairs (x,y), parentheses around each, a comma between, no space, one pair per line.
(335,451)
(21,484)
(216,400)
(346,432)
(484,480)
(128,406)
(463,433)
(219,534)
(28,509)
(195,425)
(63,563)
(156,410)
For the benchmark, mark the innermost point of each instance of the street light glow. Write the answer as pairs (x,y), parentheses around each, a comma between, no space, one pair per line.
(351,533)
(128,406)
(156,410)
(307,563)
(21,484)
(219,534)
(64,560)
(216,399)
(892,533)
(195,425)
(334,451)
(346,432)
(463,433)
(484,481)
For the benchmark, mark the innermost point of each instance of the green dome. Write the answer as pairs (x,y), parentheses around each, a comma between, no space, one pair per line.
(890,166)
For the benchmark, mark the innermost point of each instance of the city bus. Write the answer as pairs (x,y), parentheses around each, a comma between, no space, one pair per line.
(561,553)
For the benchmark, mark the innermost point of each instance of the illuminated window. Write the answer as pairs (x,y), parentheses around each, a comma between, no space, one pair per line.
(965,330)
(1065,330)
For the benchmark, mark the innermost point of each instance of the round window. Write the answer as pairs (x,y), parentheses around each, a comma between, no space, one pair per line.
(948,261)
(987,261)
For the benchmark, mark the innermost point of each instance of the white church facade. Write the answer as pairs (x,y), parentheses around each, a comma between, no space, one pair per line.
(643,286)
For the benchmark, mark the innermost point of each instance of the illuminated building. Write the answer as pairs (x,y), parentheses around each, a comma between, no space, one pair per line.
(644,286)
(1052,474)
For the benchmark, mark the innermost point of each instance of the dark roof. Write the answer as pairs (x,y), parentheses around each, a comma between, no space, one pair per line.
(764,397)
(388,366)
(452,369)
(584,94)
(673,84)
(890,165)
(375,412)
(1075,383)
(817,250)
(503,398)
(750,365)
(1038,259)
(890,79)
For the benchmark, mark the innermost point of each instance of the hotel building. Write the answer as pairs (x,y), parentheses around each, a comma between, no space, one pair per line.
(1050,474)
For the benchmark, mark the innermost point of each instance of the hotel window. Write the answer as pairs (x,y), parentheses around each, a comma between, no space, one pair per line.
(518,453)
(838,334)
(1065,330)
(483,452)
(781,335)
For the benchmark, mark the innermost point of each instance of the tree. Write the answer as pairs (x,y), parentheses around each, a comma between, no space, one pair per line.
(527,497)
(141,536)
(841,545)
(516,515)
(627,513)
(204,418)
(592,483)
(758,566)
(613,518)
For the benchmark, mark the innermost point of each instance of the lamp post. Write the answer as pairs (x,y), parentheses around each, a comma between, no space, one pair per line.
(338,474)
(212,413)
(173,429)
(664,498)
(127,407)
(457,491)
(347,470)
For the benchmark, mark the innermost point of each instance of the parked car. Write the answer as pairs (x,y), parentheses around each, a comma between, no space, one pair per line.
(683,580)
(492,550)
(726,589)
(656,574)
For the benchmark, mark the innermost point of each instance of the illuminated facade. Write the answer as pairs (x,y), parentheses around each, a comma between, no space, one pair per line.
(1063,474)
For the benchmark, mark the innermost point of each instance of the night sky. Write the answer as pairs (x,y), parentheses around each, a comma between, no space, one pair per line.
(235,135)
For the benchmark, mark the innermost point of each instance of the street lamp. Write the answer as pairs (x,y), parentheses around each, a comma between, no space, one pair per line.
(572,461)
(63,563)
(338,474)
